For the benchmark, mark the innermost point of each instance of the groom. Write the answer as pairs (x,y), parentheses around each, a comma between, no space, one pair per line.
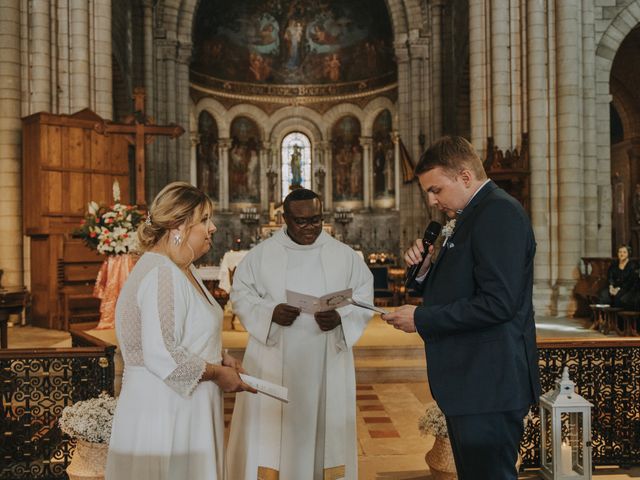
(477,317)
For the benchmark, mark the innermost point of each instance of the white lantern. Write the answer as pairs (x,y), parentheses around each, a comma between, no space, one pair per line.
(565,432)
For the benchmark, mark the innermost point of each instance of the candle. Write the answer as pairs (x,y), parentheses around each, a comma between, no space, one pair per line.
(566,465)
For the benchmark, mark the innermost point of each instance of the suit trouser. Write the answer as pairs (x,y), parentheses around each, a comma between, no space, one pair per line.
(485,446)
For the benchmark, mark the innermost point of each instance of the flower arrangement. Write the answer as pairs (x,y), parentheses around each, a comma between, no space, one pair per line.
(89,420)
(433,422)
(111,230)
(448,228)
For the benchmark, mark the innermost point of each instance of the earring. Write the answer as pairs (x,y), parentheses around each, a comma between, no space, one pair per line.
(177,239)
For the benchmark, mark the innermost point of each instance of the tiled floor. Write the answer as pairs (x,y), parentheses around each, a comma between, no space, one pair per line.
(389,444)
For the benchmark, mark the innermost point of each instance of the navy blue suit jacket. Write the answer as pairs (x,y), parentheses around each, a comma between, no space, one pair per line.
(477,318)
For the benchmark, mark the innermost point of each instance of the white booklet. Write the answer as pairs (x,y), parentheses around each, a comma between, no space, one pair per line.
(368,306)
(311,304)
(267,388)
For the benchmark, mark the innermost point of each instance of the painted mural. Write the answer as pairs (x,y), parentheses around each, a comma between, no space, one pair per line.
(207,163)
(383,150)
(293,41)
(244,164)
(346,160)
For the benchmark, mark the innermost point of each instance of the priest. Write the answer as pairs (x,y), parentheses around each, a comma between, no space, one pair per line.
(314,435)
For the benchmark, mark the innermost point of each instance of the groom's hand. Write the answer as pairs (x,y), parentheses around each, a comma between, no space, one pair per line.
(413,255)
(402,318)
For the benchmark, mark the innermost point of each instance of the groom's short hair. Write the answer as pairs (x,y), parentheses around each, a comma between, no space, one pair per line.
(452,154)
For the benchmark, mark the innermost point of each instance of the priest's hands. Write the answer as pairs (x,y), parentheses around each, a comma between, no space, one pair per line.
(413,255)
(402,318)
(285,314)
(328,320)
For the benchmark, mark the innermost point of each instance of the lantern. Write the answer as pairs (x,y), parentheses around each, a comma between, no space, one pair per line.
(565,432)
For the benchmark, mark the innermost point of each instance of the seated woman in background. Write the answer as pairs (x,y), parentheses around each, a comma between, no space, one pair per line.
(622,281)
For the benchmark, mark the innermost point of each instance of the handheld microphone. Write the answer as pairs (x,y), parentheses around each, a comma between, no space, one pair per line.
(430,234)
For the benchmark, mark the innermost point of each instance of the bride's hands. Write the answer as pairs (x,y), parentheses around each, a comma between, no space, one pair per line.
(233,362)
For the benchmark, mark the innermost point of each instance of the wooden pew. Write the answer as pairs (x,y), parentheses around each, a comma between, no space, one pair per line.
(77,272)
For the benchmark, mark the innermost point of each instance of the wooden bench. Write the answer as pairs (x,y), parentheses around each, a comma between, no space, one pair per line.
(627,323)
(77,272)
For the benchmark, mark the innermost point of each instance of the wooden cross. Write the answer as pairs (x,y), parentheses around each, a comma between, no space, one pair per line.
(139,130)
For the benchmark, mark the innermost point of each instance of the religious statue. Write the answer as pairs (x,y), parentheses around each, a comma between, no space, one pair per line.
(379,160)
(296,167)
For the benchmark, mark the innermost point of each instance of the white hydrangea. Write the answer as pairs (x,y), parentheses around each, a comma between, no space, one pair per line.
(433,422)
(89,420)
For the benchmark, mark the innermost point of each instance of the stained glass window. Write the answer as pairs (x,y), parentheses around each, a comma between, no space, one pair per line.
(296,162)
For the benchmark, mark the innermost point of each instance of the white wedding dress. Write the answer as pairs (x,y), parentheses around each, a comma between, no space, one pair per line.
(167,425)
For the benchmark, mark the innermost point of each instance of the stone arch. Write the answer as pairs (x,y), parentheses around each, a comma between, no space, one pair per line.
(614,35)
(299,123)
(621,99)
(627,19)
(217,110)
(339,111)
(372,110)
(295,113)
(250,111)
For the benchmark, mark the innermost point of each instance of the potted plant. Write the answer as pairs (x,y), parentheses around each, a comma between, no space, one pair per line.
(440,457)
(89,423)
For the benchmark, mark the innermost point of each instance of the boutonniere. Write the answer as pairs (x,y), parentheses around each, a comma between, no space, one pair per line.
(448,228)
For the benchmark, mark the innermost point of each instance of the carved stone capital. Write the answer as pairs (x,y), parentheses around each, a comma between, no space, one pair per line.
(366,141)
(184,53)
(167,49)
(224,143)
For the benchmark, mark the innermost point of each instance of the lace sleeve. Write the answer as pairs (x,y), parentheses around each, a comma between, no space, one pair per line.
(180,369)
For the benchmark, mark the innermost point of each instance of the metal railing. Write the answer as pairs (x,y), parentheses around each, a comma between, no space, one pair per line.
(35,386)
(607,373)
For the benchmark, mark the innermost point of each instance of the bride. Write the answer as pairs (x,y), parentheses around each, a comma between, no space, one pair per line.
(169,421)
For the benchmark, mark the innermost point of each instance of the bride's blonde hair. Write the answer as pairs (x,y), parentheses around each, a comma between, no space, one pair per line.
(176,204)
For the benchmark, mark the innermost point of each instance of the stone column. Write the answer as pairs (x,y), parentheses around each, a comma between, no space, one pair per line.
(62,67)
(436,73)
(328,159)
(539,149)
(478,64)
(80,86)
(367,173)
(569,161)
(10,160)
(517,44)
(264,181)
(194,141)
(164,151)
(589,132)
(101,58)
(500,74)
(40,57)
(396,166)
(183,107)
(404,87)
(417,54)
(171,108)
(149,64)
(224,144)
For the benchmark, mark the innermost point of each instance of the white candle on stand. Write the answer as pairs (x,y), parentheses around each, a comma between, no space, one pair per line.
(566,465)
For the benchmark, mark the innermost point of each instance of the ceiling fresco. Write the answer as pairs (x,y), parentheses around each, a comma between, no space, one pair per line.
(292,42)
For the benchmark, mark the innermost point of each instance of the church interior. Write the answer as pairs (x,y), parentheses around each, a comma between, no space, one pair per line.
(104,102)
